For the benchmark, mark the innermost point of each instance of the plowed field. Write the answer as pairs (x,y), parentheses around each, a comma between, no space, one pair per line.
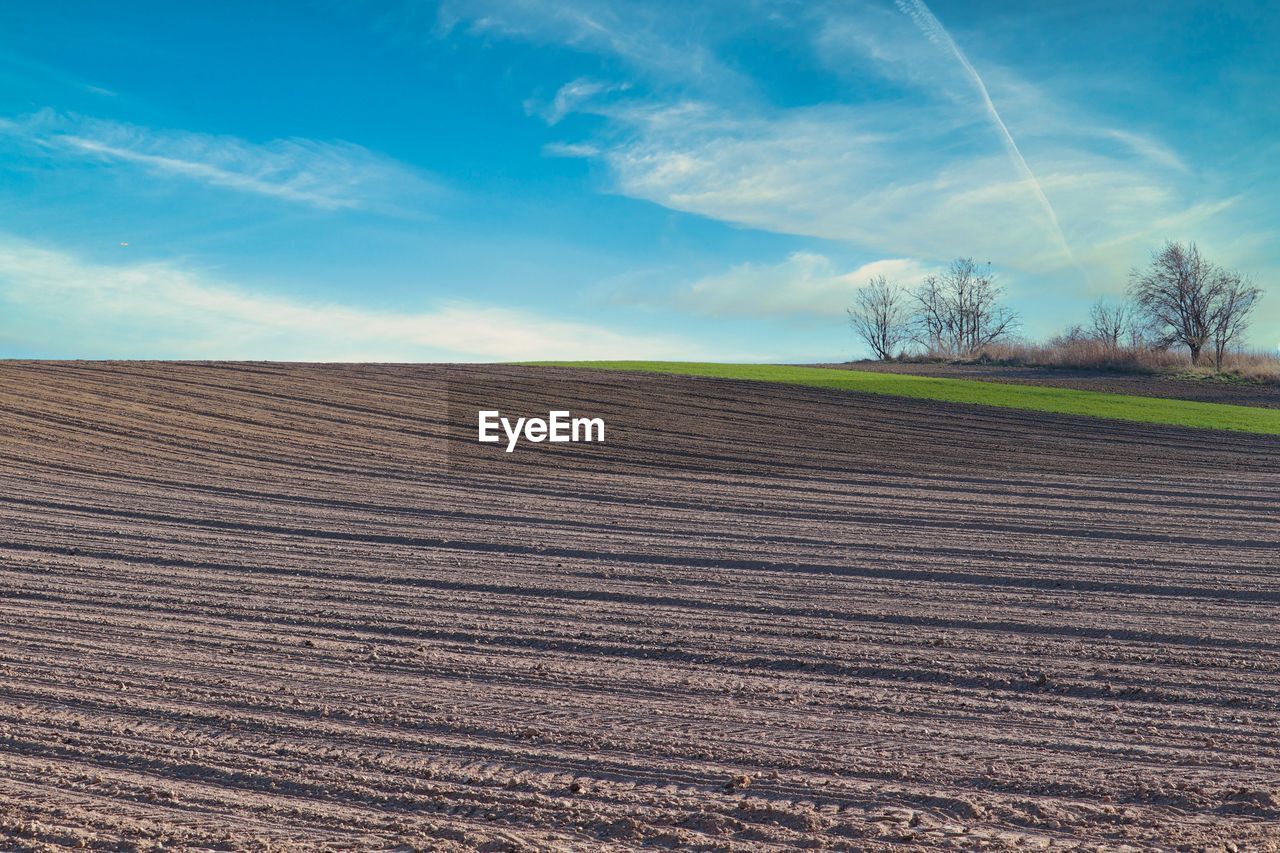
(248,606)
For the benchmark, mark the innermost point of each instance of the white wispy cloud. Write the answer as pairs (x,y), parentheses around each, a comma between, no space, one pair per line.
(916,172)
(805,284)
(569,96)
(325,175)
(917,175)
(1151,150)
(571,149)
(78,308)
(39,70)
(859,174)
(647,38)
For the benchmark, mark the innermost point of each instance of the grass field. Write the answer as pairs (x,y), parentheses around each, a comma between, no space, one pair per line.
(1153,410)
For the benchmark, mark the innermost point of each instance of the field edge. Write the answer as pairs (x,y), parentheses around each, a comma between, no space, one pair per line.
(1063,401)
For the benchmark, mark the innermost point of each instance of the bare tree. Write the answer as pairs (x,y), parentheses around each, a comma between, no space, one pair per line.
(932,319)
(1179,295)
(1231,313)
(1110,322)
(880,317)
(959,312)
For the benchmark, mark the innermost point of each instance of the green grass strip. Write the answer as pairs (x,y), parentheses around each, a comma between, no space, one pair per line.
(1036,398)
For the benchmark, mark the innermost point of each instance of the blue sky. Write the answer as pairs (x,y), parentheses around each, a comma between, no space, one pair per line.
(513,179)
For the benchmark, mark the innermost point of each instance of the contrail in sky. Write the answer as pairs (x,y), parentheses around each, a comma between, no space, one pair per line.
(918,12)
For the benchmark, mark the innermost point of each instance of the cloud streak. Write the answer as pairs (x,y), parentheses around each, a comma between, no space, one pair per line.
(323,175)
(936,33)
(76,308)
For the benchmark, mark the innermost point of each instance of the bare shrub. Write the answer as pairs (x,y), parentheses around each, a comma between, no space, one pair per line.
(880,317)
(1086,353)
(1252,366)
(1074,334)
(1093,354)
(1111,322)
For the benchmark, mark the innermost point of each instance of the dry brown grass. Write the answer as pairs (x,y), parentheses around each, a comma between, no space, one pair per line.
(1085,354)
(1256,366)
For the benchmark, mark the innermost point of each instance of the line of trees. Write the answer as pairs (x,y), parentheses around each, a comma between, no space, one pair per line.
(1180,299)
(954,313)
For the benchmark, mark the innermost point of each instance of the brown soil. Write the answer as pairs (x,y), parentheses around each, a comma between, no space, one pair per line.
(1208,390)
(274,607)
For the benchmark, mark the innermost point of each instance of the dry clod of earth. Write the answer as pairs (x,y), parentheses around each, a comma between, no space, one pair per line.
(298,607)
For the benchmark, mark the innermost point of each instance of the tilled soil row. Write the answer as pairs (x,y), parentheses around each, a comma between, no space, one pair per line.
(250,606)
